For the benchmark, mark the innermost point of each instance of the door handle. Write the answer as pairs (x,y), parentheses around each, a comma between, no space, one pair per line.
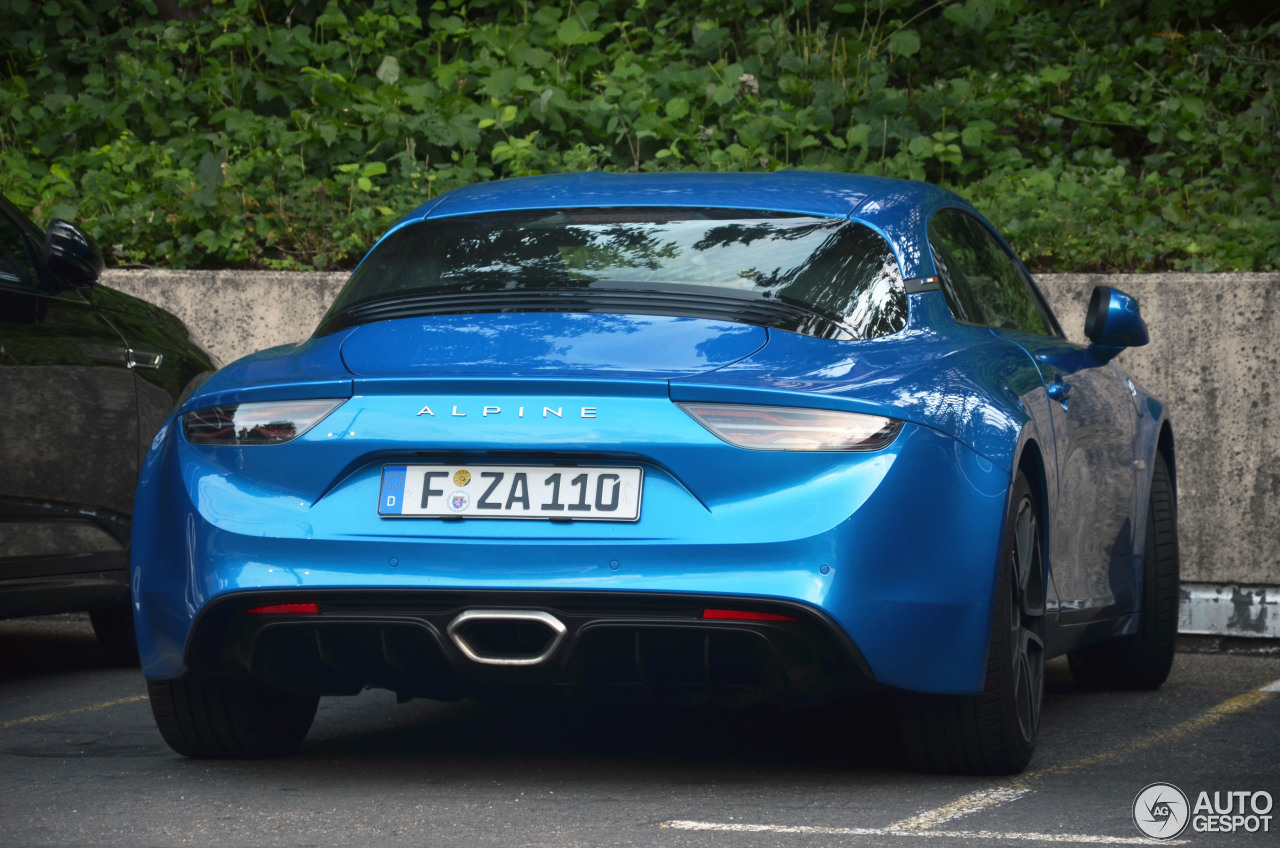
(106,353)
(145,359)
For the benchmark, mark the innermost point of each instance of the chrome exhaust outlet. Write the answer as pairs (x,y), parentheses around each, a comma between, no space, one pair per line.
(470,617)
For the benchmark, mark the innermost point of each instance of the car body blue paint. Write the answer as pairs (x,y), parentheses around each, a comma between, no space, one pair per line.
(552,344)
(1119,323)
(898,546)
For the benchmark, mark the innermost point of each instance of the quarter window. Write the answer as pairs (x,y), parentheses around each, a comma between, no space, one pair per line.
(17,266)
(980,279)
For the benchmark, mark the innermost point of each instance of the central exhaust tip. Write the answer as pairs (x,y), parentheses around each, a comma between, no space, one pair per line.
(506,637)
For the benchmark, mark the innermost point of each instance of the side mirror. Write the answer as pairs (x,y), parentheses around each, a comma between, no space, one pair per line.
(1113,322)
(71,256)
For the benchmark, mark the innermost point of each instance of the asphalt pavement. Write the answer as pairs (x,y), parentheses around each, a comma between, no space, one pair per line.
(82,764)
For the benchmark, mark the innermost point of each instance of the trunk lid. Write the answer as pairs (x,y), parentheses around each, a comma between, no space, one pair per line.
(548,344)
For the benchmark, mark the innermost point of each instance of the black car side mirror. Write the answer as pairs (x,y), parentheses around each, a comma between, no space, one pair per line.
(71,256)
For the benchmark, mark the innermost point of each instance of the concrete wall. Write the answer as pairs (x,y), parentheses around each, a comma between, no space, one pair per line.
(234,313)
(1212,358)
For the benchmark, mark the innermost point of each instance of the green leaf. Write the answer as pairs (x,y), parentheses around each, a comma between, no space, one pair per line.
(1173,213)
(534,57)
(211,168)
(1055,74)
(571,33)
(1040,180)
(905,42)
(500,82)
(389,71)
(859,135)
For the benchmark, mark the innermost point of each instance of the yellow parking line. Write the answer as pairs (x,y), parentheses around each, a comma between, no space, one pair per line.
(50,716)
(925,824)
(1239,703)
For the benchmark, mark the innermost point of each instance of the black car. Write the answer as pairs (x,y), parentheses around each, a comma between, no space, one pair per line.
(87,375)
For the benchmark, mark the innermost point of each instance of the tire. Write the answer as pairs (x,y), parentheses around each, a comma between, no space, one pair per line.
(213,718)
(1143,660)
(993,732)
(114,628)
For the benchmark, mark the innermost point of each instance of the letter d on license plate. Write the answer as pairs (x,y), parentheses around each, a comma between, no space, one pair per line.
(592,493)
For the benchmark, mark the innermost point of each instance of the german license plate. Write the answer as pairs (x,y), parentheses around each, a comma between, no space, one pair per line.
(590,493)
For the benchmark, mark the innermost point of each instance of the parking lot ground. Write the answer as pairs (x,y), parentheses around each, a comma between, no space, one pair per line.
(82,764)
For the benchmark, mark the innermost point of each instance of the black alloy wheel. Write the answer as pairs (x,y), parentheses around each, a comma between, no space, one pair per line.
(1027,619)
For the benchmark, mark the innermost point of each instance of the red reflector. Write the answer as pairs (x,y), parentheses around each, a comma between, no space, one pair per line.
(284,609)
(744,615)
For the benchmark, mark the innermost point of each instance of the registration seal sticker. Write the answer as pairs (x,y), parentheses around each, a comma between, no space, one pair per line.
(462,478)
(458,501)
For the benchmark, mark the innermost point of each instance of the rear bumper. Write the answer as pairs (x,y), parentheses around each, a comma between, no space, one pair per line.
(103,583)
(895,552)
(430,644)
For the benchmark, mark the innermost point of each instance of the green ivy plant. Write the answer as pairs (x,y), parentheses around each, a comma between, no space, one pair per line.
(1127,135)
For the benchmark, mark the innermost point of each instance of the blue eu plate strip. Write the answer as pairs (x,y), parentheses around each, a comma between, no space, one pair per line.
(391,498)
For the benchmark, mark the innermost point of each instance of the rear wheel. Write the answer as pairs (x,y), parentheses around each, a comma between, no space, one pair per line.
(993,732)
(207,717)
(1143,660)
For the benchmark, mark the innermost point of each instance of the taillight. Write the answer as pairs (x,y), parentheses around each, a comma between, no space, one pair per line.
(263,423)
(786,428)
(743,615)
(285,609)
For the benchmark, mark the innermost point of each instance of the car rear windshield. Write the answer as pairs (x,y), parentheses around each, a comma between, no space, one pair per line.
(825,277)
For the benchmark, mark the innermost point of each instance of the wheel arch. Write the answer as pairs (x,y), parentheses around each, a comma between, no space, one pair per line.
(1032,464)
(1165,448)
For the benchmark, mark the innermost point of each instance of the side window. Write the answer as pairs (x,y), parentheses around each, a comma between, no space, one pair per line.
(981,281)
(17,265)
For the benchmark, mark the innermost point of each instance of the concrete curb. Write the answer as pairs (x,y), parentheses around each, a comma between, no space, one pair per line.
(1212,609)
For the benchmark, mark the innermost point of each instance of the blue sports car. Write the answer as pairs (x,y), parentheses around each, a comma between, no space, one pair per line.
(692,438)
